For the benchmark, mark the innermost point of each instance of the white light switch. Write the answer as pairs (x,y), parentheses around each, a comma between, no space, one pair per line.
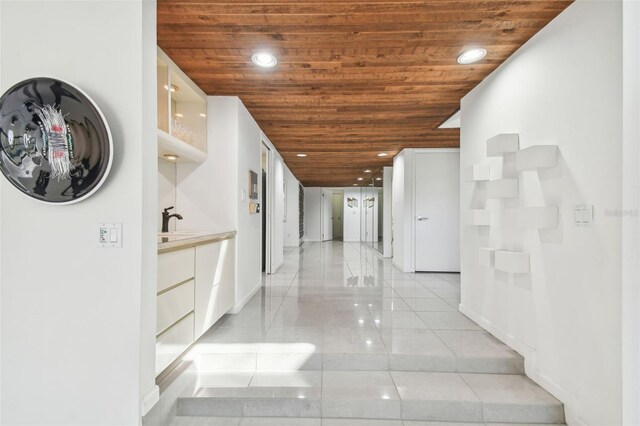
(583,215)
(110,235)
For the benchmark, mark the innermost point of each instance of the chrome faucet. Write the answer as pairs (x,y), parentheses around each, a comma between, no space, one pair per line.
(165,218)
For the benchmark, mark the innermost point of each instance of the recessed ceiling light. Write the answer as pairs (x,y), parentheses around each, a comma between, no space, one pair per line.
(203,115)
(367,171)
(301,155)
(264,59)
(179,115)
(378,178)
(355,184)
(472,55)
(171,157)
(360,179)
(382,154)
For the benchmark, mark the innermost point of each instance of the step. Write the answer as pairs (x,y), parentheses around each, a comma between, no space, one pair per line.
(392,395)
(508,363)
(314,421)
(466,349)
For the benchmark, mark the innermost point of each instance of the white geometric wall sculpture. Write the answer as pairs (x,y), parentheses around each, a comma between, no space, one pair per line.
(537,217)
(512,262)
(479,217)
(477,172)
(502,188)
(537,157)
(502,144)
(486,256)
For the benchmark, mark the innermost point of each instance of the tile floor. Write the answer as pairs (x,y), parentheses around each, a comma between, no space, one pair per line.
(339,334)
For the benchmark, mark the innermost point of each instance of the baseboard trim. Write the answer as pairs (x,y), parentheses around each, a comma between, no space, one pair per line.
(149,400)
(530,366)
(275,269)
(401,267)
(239,305)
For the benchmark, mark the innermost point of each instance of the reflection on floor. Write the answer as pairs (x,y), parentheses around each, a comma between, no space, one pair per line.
(339,334)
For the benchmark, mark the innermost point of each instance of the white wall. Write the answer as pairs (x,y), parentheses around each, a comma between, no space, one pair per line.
(277,205)
(352,215)
(249,244)
(73,330)
(401,210)
(208,192)
(312,214)
(369,231)
(292,225)
(563,88)
(210,195)
(630,225)
(387,199)
(167,184)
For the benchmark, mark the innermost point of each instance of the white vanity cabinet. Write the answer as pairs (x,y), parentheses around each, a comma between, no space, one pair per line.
(215,275)
(196,286)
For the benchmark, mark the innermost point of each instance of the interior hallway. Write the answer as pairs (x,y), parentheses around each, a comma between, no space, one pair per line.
(339,333)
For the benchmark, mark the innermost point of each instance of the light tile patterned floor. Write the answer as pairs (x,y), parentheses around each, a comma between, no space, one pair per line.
(342,329)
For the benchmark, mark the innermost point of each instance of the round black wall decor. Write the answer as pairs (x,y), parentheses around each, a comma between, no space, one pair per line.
(55,144)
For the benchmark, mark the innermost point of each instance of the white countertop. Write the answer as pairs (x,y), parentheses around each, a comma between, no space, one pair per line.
(177,240)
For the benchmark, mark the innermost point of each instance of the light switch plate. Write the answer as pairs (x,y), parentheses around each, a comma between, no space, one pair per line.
(583,215)
(110,235)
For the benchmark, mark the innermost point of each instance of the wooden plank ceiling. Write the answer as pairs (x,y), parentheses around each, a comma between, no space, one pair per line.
(354,78)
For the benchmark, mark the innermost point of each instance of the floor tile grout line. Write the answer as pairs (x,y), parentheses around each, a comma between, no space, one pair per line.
(476,395)
(395,385)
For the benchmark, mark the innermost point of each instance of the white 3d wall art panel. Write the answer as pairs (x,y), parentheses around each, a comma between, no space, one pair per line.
(512,262)
(478,172)
(502,188)
(479,217)
(537,217)
(502,144)
(486,256)
(537,157)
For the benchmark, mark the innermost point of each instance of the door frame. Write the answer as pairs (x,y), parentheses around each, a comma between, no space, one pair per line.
(323,219)
(414,186)
(264,145)
(410,167)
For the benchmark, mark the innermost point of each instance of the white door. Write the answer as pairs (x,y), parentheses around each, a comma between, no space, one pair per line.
(437,209)
(327,211)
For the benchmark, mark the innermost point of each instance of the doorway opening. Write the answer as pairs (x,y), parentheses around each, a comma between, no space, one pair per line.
(264,189)
(337,215)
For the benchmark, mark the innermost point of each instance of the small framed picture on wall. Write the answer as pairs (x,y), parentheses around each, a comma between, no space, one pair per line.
(253,185)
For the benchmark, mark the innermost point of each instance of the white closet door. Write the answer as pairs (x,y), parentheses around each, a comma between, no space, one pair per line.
(437,207)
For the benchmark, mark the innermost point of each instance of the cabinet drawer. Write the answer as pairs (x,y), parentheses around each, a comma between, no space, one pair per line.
(175,267)
(171,344)
(174,304)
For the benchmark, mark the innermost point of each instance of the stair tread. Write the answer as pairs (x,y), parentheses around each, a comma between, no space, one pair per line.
(433,396)
(310,421)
